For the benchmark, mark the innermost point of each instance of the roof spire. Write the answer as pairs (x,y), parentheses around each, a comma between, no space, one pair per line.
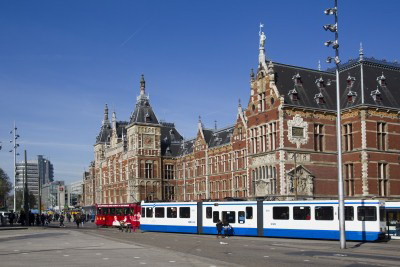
(361,52)
(142,85)
(105,121)
(319,65)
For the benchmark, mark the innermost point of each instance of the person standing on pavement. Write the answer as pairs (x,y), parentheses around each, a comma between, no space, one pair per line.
(42,219)
(69,217)
(11,218)
(219,228)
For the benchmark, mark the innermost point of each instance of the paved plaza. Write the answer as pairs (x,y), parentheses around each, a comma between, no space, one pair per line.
(90,246)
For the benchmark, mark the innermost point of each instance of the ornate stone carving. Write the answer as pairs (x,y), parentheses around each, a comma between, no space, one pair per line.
(297,131)
(305,181)
(263,160)
(300,157)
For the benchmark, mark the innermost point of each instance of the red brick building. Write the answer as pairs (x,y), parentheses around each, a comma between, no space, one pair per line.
(281,146)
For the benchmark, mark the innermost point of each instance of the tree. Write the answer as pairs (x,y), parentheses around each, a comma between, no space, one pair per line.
(31,200)
(5,188)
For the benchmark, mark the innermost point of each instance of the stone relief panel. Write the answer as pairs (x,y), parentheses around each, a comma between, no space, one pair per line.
(263,160)
(265,187)
(297,131)
(300,157)
(305,182)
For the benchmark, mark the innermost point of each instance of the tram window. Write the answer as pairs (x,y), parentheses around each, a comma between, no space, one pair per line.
(143,212)
(280,213)
(229,216)
(127,211)
(99,211)
(159,212)
(301,213)
(324,213)
(349,213)
(172,212)
(249,212)
(184,212)
(105,211)
(366,213)
(149,212)
(119,211)
(215,216)
(382,214)
(241,215)
(112,211)
(208,212)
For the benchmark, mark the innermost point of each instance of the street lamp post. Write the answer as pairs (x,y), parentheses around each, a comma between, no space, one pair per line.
(15,146)
(336,59)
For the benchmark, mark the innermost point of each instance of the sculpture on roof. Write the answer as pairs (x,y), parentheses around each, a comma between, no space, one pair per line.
(262,36)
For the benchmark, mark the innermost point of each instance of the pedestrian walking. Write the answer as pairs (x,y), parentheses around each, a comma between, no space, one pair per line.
(62,220)
(77,220)
(69,217)
(219,226)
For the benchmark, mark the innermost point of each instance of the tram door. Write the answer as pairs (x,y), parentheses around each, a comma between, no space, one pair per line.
(393,222)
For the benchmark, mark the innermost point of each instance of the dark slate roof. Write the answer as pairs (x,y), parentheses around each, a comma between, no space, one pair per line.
(143,112)
(221,137)
(121,128)
(105,132)
(171,140)
(186,147)
(373,71)
(350,84)
(306,88)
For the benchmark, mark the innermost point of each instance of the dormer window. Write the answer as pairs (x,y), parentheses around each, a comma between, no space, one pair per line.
(376,95)
(351,96)
(147,117)
(350,81)
(320,83)
(381,80)
(319,98)
(297,79)
(294,96)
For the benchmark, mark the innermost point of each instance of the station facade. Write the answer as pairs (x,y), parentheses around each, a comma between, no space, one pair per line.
(281,146)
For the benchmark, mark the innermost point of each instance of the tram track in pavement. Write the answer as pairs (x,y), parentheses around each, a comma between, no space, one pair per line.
(285,251)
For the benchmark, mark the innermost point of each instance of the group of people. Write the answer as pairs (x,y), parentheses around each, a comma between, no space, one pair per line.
(224,225)
(43,219)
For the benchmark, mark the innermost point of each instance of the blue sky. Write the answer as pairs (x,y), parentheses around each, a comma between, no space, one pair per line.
(61,61)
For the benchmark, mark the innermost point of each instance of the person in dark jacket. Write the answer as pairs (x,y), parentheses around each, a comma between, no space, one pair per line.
(219,226)
(77,220)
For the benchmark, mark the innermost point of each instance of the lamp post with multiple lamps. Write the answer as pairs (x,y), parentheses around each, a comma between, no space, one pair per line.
(335,45)
(15,146)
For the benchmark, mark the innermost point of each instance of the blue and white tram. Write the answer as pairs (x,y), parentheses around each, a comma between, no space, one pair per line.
(365,219)
(178,217)
(393,218)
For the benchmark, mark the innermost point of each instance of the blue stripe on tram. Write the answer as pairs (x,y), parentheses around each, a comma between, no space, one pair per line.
(168,228)
(321,234)
(212,230)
